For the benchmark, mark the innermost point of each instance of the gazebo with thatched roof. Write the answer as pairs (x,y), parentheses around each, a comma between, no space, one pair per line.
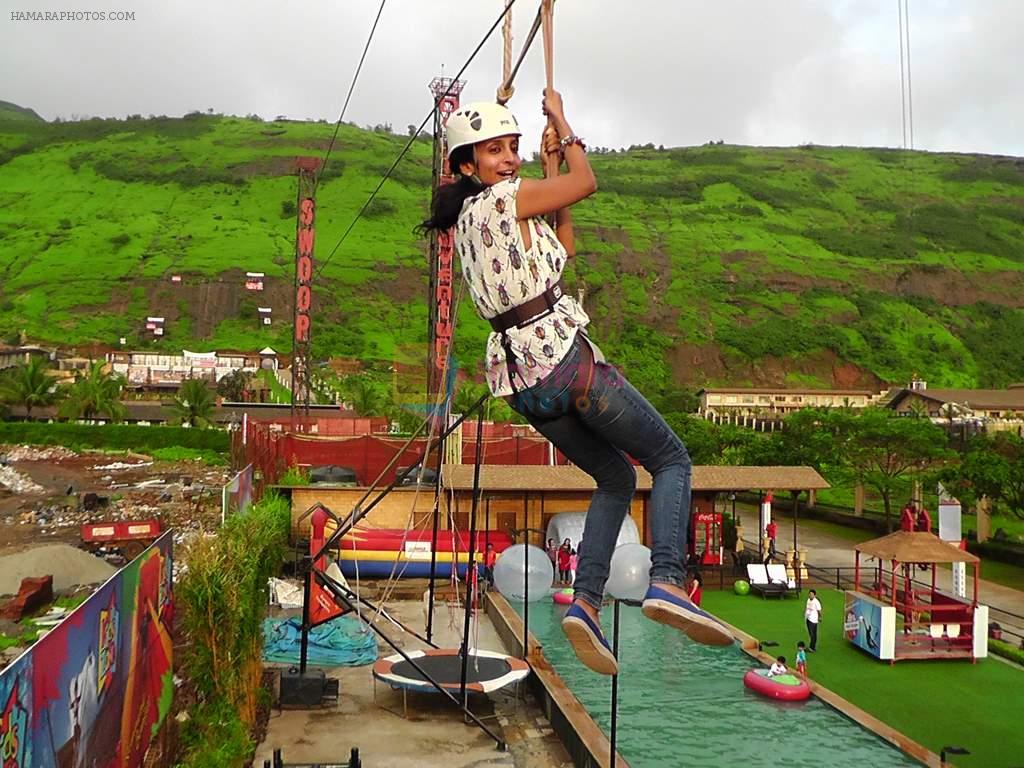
(933,624)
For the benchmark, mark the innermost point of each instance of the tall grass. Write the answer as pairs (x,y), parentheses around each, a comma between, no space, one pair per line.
(222,597)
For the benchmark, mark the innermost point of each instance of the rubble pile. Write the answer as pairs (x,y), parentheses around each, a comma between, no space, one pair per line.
(118,465)
(18,483)
(35,453)
(67,490)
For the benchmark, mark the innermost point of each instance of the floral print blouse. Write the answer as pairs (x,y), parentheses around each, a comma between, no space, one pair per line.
(501,273)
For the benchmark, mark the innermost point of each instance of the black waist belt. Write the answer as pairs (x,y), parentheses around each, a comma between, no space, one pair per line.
(525,312)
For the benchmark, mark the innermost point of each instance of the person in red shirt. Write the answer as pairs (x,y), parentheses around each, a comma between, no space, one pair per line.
(490,558)
(565,561)
(771,531)
(696,588)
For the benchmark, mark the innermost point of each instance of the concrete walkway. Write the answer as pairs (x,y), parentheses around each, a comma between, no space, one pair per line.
(826,550)
(434,734)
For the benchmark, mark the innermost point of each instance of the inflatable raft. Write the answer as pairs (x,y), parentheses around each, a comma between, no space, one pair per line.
(782,687)
(563,597)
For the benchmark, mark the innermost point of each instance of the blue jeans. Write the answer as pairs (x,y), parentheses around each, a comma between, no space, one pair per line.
(595,417)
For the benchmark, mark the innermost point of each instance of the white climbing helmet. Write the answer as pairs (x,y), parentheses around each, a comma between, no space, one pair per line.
(479,121)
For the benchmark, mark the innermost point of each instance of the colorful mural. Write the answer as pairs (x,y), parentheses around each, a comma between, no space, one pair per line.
(870,625)
(94,691)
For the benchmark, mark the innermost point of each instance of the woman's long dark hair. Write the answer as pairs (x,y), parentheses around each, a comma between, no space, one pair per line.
(448,198)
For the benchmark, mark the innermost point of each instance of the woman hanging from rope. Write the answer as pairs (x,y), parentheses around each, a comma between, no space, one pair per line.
(541,360)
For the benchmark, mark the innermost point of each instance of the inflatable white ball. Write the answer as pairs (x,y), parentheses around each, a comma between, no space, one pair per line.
(629,574)
(511,578)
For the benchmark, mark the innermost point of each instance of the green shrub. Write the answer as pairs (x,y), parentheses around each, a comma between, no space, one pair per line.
(215,737)
(866,243)
(120,437)
(953,228)
(992,170)
(380,206)
(294,476)
(223,597)
(1007,651)
(190,454)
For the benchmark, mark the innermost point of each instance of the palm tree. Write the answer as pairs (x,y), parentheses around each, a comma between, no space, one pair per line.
(364,395)
(467,395)
(29,386)
(194,404)
(918,410)
(97,392)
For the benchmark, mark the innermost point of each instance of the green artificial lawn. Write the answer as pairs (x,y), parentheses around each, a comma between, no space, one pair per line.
(936,703)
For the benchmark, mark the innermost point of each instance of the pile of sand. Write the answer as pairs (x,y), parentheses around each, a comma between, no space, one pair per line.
(68,565)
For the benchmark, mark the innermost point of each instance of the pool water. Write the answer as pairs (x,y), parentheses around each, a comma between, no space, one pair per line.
(684,704)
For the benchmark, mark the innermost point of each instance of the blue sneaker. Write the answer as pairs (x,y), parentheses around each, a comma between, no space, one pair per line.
(666,608)
(588,641)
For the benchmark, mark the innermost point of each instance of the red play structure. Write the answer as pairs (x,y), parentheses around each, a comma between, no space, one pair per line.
(893,616)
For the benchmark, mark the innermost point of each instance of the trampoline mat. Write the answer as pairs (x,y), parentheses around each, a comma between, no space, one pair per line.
(447,669)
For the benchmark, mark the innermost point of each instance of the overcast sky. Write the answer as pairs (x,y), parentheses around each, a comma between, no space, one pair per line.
(672,72)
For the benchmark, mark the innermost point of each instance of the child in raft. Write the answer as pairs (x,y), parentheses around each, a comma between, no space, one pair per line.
(541,359)
(778,667)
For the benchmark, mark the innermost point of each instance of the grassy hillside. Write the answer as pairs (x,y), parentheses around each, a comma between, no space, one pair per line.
(717,264)
(9,111)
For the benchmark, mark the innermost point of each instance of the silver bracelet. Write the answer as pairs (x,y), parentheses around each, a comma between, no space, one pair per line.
(572,139)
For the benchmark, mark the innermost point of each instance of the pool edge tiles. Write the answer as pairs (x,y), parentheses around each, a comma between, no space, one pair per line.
(582,737)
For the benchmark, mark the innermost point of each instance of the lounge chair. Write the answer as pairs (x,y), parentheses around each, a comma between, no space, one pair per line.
(757,575)
(777,574)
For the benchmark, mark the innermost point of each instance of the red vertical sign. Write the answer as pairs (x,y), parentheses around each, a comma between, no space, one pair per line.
(304,270)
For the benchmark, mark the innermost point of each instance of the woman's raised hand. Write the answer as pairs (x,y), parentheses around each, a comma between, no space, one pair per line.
(549,142)
(552,105)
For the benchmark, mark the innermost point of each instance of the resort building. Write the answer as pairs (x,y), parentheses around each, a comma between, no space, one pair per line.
(958,404)
(156,369)
(735,403)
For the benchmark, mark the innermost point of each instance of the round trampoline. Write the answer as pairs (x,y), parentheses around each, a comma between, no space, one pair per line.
(486,670)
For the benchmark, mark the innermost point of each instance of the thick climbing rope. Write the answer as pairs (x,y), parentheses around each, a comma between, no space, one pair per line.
(545,22)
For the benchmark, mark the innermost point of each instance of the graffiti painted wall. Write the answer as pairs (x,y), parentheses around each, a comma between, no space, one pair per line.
(94,691)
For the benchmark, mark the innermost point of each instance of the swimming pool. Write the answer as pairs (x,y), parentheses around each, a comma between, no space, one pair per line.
(683,704)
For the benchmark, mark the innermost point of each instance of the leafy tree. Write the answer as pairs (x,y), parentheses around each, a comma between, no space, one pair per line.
(466,396)
(992,467)
(193,405)
(882,449)
(709,443)
(365,396)
(808,439)
(97,392)
(29,386)
(234,386)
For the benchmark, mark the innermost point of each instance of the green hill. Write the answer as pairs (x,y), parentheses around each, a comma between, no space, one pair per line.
(9,111)
(718,264)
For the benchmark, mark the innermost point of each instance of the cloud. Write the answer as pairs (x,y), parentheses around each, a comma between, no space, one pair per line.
(672,72)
